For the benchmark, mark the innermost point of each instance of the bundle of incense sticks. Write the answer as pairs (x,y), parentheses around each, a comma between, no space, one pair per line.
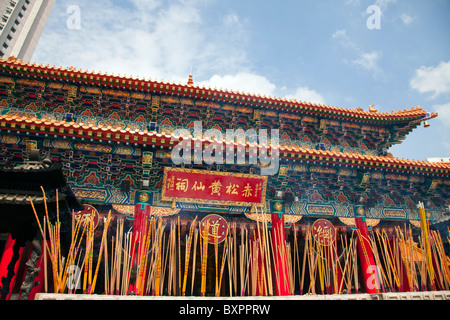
(157,264)
(440,260)
(107,222)
(222,266)
(53,246)
(73,252)
(188,255)
(296,257)
(142,257)
(216,256)
(305,251)
(116,259)
(179,256)
(170,252)
(264,248)
(155,273)
(231,256)
(194,259)
(312,261)
(204,254)
(248,254)
(403,264)
(243,259)
(60,264)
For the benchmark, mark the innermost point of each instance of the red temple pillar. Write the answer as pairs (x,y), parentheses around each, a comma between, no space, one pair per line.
(12,255)
(282,285)
(141,213)
(368,266)
(140,223)
(258,262)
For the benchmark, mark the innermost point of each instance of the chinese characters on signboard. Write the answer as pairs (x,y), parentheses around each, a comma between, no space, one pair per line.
(89,213)
(217,187)
(323,232)
(218,228)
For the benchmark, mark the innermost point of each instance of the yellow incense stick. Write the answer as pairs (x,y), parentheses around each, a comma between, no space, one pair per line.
(204,258)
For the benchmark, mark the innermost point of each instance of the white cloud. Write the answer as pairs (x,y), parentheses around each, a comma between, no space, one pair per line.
(231,19)
(443,111)
(383,4)
(164,40)
(365,61)
(342,37)
(307,95)
(244,82)
(340,33)
(353,3)
(407,19)
(443,117)
(157,39)
(434,80)
(369,61)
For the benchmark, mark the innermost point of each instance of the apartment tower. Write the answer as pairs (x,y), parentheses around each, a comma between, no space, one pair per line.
(21,25)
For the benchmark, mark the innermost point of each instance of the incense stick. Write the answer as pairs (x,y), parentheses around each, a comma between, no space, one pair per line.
(187,256)
(105,231)
(194,259)
(305,251)
(204,258)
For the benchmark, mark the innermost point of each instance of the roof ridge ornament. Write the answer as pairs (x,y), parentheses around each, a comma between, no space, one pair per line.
(190,81)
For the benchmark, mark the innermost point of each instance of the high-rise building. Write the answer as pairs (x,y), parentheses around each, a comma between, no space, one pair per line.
(21,25)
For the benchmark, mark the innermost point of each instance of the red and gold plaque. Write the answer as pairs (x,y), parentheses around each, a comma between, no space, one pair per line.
(323,232)
(200,186)
(218,228)
(89,213)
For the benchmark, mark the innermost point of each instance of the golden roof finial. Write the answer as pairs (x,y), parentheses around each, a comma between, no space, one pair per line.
(372,109)
(190,81)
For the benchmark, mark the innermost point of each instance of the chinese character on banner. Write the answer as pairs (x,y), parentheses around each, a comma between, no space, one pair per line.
(182,184)
(232,188)
(258,188)
(198,186)
(247,192)
(324,232)
(87,214)
(191,185)
(216,187)
(218,228)
(171,184)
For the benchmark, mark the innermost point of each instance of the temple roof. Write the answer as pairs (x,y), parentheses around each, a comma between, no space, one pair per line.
(99,134)
(24,183)
(190,90)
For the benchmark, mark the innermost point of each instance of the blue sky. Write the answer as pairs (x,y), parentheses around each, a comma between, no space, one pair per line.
(317,51)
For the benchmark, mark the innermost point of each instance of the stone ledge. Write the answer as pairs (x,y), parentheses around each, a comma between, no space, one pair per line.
(428,295)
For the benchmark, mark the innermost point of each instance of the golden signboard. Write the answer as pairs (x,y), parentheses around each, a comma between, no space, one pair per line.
(224,188)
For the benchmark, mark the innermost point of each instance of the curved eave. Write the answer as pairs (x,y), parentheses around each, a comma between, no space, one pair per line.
(71,75)
(81,132)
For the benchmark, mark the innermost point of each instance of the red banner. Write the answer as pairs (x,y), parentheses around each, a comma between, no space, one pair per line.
(324,232)
(218,228)
(213,187)
(87,214)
